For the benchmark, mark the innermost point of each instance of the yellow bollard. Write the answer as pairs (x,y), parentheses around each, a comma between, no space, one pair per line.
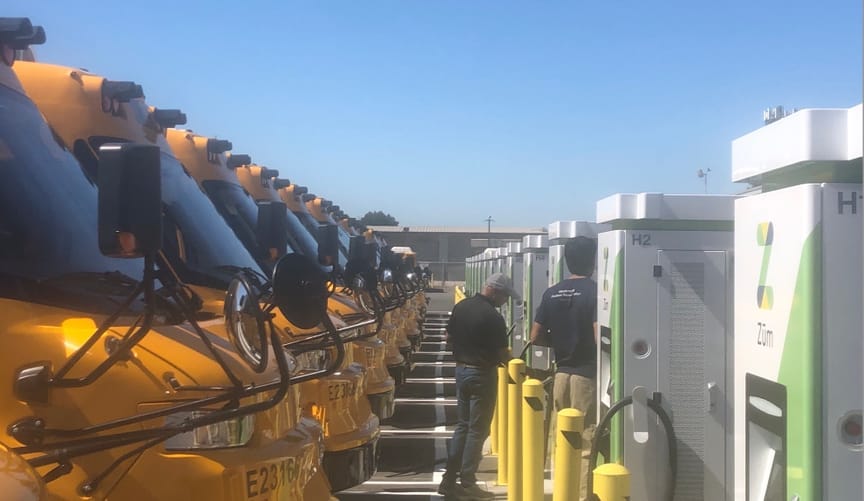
(502,425)
(493,430)
(612,482)
(516,373)
(533,397)
(568,455)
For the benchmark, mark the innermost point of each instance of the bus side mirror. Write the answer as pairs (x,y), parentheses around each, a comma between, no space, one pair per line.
(130,200)
(300,290)
(328,245)
(272,228)
(372,254)
(355,248)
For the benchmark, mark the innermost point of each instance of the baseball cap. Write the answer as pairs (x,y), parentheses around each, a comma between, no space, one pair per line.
(501,281)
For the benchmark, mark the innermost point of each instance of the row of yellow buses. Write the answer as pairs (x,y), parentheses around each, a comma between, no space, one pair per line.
(179,322)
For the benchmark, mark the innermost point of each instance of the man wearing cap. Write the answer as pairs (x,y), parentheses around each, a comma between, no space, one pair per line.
(478,336)
(566,320)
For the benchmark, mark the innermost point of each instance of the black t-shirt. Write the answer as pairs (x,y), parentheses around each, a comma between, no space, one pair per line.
(476,332)
(569,310)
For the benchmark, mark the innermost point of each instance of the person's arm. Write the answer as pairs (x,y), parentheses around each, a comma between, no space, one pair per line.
(535,331)
(452,328)
(539,319)
(504,355)
(502,351)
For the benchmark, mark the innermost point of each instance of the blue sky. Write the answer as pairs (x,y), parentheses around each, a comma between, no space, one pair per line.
(449,111)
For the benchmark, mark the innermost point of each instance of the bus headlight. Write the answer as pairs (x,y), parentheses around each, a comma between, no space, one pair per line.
(363,300)
(315,360)
(235,432)
(245,330)
(293,366)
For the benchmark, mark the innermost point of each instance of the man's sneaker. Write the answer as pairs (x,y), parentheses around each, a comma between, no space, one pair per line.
(475,492)
(450,490)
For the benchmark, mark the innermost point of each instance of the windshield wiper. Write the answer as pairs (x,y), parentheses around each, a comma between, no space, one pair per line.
(245,270)
(117,283)
(113,279)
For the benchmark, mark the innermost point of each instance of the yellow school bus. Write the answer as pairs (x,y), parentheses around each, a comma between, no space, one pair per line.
(412,311)
(401,261)
(416,311)
(407,337)
(262,183)
(180,376)
(217,174)
(351,428)
(396,361)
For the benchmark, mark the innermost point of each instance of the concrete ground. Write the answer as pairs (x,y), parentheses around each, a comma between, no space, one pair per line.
(441,301)
(488,477)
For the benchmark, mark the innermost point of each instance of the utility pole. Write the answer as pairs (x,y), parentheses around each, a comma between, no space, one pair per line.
(489,221)
(704,175)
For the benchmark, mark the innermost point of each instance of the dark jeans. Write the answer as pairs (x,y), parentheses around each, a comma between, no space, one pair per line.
(475,394)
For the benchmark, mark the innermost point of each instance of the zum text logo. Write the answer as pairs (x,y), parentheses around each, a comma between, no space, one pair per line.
(765,239)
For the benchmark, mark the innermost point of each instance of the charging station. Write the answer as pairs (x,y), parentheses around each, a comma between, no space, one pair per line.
(484,269)
(512,310)
(489,256)
(798,304)
(494,260)
(535,266)
(503,254)
(559,233)
(470,267)
(481,265)
(665,321)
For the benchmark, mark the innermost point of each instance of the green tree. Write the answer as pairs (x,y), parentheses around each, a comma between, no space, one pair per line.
(378,218)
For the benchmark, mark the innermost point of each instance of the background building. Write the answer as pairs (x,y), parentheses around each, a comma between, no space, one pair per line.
(444,248)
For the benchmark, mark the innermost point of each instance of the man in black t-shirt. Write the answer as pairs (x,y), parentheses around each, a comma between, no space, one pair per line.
(478,335)
(566,321)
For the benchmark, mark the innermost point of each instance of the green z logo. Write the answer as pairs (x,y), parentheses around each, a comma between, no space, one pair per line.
(765,239)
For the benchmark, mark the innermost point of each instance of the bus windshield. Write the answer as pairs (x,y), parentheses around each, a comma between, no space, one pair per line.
(48,206)
(344,243)
(241,213)
(311,224)
(306,241)
(201,240)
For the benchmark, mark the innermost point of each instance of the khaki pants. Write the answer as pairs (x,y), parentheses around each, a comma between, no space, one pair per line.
(570,391)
